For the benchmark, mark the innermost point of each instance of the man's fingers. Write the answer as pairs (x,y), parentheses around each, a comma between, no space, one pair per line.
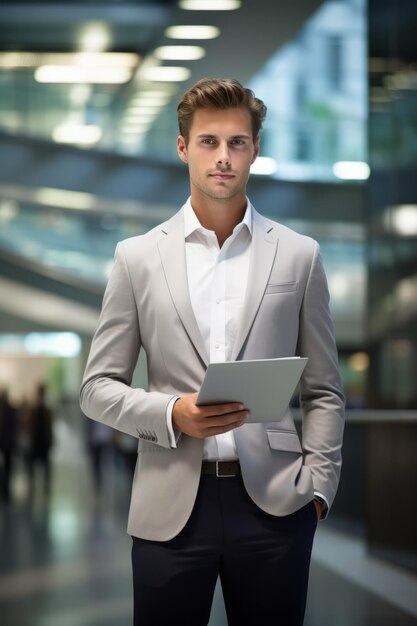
(225,429)
(221,409)
(223,421)
(205,421)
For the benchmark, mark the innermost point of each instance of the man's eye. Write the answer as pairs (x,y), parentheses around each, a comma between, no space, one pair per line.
(238,142)
(208,141)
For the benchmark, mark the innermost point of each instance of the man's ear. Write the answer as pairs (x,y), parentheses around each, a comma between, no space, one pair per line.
(182,148)
(255,149)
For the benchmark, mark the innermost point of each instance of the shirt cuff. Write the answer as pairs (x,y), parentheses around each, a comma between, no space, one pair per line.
(172,435)
(320,496)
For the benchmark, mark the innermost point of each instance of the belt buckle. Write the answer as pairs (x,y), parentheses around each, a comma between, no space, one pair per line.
(218,475)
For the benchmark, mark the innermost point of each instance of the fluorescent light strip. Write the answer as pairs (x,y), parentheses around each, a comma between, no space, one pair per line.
(144,96)
(351,170)
(147,103)
(11,60)
(166,74)
(192,32)
(90,75)
(143,109)
(77,134)
(209,5)
(179,53)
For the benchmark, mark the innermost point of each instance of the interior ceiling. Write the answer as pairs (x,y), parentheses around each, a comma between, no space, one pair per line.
(249,36)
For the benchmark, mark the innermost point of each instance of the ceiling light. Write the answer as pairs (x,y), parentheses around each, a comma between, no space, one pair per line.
(138,119)
(100,59)
(210,5)
(86,135)
(192,32)
(148,102)
(64,199)
(264,166)
(142,111)
(179,53)
(166,74)
(12,60)
(90,75)
(403,219)
(351,170)
(135,125)
(95,38)
(152,95)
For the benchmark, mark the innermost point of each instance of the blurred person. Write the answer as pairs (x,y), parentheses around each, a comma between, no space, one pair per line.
(39,427)
(212,495)
(8,440)
(100,442)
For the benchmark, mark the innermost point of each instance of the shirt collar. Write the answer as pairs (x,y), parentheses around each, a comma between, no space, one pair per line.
(192,223)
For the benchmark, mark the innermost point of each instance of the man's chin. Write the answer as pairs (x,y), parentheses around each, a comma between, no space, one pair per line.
(222,194)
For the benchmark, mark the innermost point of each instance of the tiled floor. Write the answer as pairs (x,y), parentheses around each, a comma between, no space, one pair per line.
(66,561)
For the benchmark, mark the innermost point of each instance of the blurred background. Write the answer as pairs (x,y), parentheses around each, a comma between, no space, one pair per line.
(88,96)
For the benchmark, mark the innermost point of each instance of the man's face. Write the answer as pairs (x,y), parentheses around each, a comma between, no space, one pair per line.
(219,152)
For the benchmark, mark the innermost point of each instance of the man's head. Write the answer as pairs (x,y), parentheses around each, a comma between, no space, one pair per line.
(219,93)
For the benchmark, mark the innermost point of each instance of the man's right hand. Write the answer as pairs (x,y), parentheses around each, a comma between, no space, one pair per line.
(205,421)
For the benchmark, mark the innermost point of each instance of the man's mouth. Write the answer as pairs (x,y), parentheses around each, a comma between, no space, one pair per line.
(222,176)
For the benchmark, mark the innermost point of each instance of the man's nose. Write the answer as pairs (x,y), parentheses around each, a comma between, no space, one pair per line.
(223,156)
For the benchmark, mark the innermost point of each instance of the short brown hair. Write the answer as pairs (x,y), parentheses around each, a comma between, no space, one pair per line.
(219,93)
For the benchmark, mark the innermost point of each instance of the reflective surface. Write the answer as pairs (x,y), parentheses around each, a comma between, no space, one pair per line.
(66,560)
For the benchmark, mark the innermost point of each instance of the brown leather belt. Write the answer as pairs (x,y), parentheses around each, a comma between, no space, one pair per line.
(221,469)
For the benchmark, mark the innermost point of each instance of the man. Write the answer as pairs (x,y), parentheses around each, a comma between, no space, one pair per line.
(212,495)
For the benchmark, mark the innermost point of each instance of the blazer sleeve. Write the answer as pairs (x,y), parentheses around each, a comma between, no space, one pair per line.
(106,394)
(321,395)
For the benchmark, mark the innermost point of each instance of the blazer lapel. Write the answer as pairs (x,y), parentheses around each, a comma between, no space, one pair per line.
(172,253)
(264,246)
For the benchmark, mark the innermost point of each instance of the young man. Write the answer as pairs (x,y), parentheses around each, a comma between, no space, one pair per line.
(212,495)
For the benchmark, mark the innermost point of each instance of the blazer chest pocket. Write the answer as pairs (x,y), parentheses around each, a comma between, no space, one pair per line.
(285,441)
(281,287)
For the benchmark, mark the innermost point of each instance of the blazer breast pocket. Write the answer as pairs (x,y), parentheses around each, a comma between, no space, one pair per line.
(281,287)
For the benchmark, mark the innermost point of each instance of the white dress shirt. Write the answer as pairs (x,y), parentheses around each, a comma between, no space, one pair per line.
(217,280)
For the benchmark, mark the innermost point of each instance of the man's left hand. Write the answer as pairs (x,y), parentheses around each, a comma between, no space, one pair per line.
(319,508)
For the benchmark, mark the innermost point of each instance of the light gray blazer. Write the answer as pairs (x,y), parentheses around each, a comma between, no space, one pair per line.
(286,312)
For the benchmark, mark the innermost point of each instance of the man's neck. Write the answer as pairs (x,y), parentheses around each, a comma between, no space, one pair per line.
(221,216)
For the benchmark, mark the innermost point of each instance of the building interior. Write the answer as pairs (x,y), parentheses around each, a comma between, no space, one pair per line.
(88,128)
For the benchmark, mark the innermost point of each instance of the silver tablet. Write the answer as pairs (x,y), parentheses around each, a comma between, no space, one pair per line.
(265,386)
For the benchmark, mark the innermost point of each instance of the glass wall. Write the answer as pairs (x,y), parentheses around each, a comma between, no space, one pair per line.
(392,249)
(316,91)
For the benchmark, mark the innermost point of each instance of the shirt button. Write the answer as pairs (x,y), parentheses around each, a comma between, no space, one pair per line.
(218,300)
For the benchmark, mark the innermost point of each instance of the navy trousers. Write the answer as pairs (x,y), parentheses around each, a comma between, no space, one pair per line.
(263,562)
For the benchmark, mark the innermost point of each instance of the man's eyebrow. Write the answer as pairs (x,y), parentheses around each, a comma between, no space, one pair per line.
(209,136)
